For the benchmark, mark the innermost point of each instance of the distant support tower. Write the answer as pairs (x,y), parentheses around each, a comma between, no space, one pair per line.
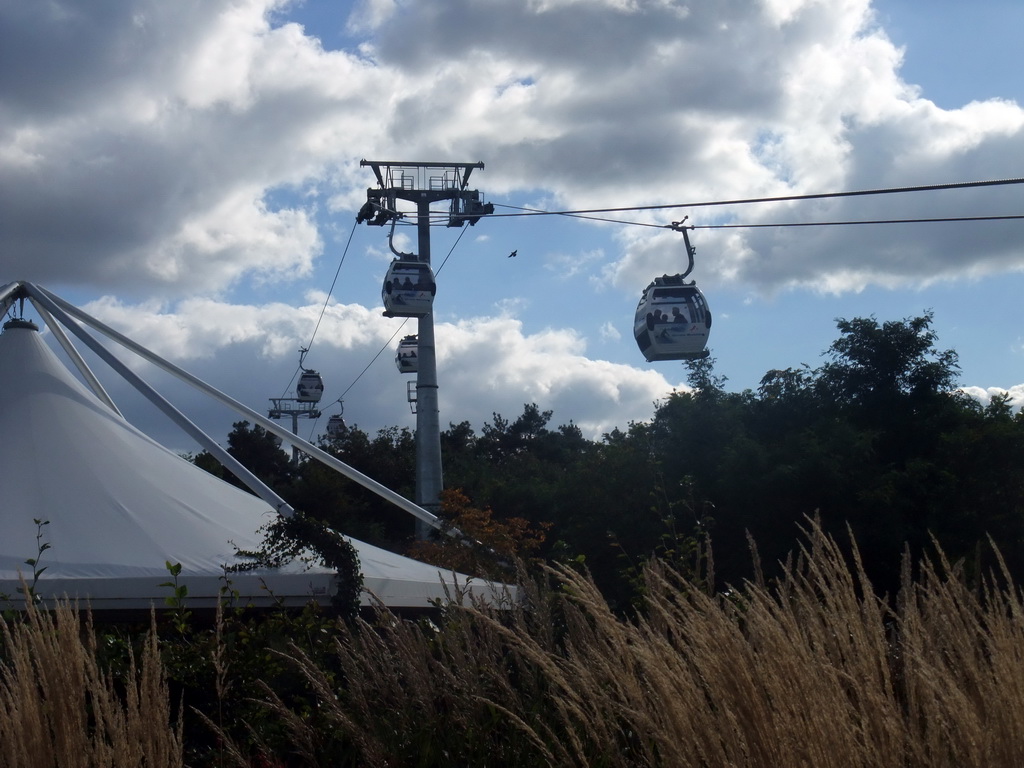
(290,406)
(424,184)
(305,403)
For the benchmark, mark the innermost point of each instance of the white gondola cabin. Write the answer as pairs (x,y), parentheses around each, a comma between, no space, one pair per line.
(409,289)
(310,388)
(672,320)
(336,426)
(407,356)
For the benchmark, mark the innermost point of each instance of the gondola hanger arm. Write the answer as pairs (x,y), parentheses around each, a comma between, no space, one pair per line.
(391,244)
(680,226)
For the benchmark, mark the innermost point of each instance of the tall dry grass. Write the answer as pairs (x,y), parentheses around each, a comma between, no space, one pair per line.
(812,670)
(60,709)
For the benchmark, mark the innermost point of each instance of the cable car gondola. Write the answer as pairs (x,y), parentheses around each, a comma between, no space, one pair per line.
(336,426)
(407,356)
(673,319)
(311,384)
(310,388)
(409,289)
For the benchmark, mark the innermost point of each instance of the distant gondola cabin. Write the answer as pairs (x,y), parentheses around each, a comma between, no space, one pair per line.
(310,388)
(672,320)
(409,289)
(336,426)
(407,356)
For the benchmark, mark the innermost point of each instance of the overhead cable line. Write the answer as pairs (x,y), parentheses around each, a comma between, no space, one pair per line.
(866,221)
(374,359)
(590,214)
(323,309)
(451,250)
(331,289)
(399,329)
(933,220)
(802,223)
(573,215)
(744,201)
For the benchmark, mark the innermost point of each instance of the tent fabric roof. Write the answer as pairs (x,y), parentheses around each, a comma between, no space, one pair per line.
(119,505)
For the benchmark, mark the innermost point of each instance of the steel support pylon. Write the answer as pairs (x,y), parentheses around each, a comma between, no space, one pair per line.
(423,184)
(429,466)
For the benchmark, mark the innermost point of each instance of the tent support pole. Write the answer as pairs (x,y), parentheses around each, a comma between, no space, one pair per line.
(308,448)
(7,296)
(76,358)
(256,485)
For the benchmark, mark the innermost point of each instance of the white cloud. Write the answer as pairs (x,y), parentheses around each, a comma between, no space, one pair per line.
(368,15)
(485,364)
(568,265)
(489,364)
(610,333)
(150,161)
(204,328)
(984,395)
(145,147)
(188,161)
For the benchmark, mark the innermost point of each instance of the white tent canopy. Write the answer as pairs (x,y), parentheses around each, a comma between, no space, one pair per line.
(118,506)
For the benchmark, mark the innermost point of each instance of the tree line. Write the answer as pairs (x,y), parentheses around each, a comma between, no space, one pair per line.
(877,441)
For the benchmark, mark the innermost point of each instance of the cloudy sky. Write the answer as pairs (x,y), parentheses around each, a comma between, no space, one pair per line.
(189,173)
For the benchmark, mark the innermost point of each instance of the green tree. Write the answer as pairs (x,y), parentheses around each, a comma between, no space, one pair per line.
(259,451)
(389,457)
(876,438)
(878,365)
